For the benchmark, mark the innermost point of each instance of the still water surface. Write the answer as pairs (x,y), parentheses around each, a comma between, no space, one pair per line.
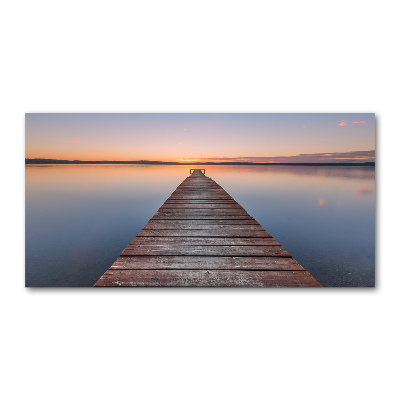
(79,218)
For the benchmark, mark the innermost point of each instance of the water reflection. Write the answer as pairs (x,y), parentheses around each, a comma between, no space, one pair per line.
(365,191)
(80,217)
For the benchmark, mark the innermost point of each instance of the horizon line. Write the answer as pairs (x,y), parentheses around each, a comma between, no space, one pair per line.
(63,161)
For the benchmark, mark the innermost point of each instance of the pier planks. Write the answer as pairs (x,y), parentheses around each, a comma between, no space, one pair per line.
(202,237)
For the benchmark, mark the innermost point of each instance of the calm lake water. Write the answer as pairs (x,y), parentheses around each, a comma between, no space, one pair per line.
(79,218)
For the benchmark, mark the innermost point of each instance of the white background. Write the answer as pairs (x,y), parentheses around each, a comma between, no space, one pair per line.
(208,56)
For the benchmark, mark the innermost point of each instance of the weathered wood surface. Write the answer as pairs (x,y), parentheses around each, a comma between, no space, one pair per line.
(210,278)
(202,237)
(205,241)
(206,262)
(203,224)
(170,250)
(226,232)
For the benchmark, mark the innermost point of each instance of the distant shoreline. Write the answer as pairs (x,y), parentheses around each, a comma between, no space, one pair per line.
(145,162)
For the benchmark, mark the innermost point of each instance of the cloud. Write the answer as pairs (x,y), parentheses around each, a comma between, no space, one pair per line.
(358,122)
(303,126)
(343,122)
(321,202)
(351,156)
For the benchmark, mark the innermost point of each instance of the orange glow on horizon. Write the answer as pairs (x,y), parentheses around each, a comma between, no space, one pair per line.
(188,160)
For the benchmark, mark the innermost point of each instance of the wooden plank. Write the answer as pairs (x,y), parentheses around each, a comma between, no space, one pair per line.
(232,232)
(199,241)
(196,192)
(207,262)
(193,188)
(233,206)
(200,201)
(207,198)
(202,224)
(199,216)
(202,193)
(197,187)
(199,210)
(207,278)
(176,250)
(194,212)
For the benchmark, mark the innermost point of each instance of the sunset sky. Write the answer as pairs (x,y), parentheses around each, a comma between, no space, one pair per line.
(202,137)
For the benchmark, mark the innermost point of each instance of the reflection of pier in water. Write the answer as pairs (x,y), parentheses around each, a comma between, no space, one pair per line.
(201,236)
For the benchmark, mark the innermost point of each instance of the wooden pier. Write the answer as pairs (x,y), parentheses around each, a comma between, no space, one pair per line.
(202,237)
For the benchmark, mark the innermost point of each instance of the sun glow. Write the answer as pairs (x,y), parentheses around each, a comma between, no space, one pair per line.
(190,160)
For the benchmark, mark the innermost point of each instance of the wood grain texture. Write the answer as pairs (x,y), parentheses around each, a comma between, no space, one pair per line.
(202,241)
(204,262)
(168,206)
(201,250)
(207,278)
(202,224)
(199,201)
(202,237)
(227,232)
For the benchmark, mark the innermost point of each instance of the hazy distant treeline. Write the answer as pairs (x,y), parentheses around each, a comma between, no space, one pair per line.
(52,161)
